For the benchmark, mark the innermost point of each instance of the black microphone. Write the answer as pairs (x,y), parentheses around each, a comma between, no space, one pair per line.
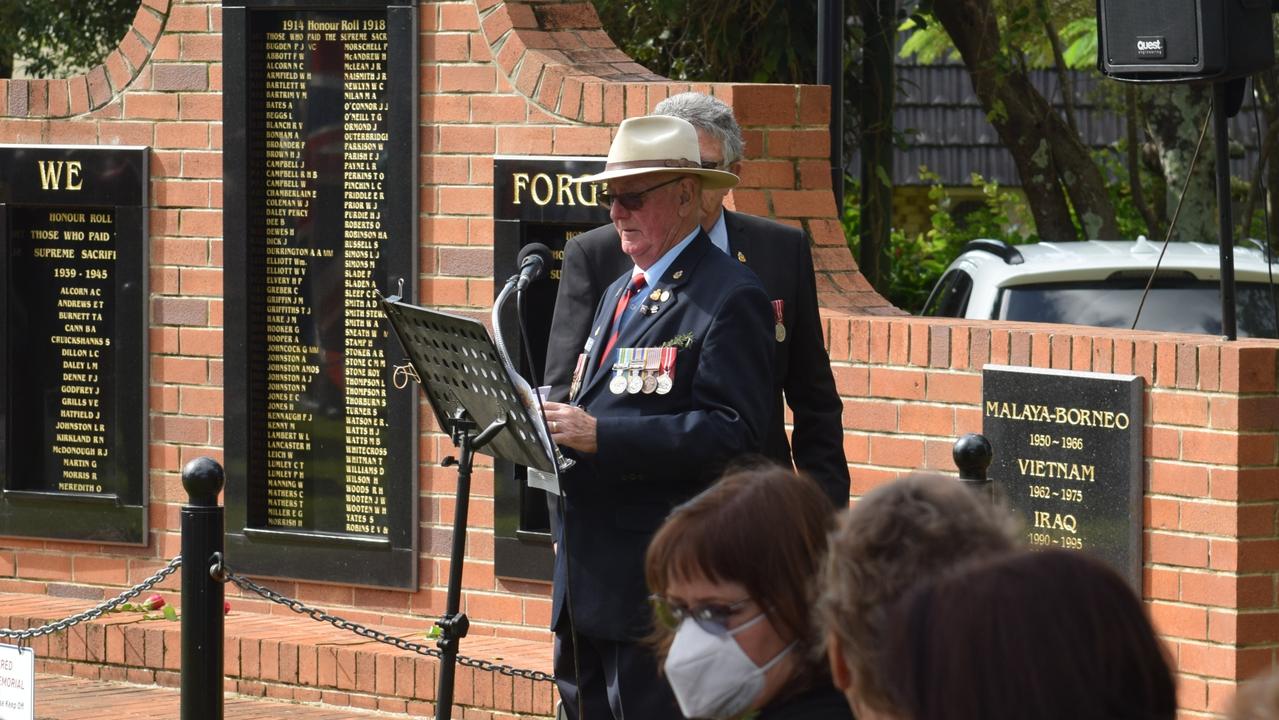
(534,261)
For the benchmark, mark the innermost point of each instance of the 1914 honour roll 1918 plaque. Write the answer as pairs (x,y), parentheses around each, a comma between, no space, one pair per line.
(1067,458)
(73,223)
(321,213)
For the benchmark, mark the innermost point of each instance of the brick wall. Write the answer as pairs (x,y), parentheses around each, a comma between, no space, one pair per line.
(1212,487)
(542,78)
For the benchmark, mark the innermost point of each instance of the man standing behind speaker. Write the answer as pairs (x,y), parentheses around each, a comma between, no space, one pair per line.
(778,254)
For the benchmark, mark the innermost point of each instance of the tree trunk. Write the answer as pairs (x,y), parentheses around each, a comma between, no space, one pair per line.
(1175,116)
(1269,136)
(1059,63)
(1268,87)
(1132,126)
(1055,168)
(878,91)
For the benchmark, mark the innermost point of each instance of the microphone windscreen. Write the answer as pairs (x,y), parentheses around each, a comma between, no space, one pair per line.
(532,249)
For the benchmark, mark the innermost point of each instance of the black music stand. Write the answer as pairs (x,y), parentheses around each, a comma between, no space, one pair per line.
(469,388)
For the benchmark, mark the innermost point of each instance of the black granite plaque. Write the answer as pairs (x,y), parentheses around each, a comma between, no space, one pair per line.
(74,396)
(1067,458)
(321,209)
(534,201)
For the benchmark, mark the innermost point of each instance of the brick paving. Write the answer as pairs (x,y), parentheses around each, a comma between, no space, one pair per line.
(284,661)
(66,698)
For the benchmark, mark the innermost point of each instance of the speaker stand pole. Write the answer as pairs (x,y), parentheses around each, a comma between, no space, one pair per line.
(1225,229)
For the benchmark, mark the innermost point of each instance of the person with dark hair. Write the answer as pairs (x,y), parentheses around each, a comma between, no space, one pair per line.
(732,574)
(899,534)
(1049,635)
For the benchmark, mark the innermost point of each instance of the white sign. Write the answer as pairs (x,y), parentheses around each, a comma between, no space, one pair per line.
(17,683)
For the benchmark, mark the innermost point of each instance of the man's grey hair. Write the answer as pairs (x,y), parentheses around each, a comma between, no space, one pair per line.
(709,114)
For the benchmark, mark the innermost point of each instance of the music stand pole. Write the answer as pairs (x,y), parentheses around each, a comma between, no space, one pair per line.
(468,386)
(454,624)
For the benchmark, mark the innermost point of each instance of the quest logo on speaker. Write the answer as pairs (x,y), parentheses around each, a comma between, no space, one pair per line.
(1152,48)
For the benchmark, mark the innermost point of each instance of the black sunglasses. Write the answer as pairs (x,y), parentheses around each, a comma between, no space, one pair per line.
(632,201)
(712,617)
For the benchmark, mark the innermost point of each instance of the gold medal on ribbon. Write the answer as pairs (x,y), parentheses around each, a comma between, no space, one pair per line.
(779,330)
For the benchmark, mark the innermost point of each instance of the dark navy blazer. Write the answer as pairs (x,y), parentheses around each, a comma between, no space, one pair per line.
(656,451)
(781,257)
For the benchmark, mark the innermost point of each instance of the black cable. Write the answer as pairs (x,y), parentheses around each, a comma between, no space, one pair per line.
(524,343)
(1173,223)
(1265,206)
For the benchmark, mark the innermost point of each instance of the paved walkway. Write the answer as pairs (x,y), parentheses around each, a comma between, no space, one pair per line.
(66,698)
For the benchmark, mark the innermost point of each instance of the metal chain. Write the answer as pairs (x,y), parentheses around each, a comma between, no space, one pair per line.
(95,612)
(224,573)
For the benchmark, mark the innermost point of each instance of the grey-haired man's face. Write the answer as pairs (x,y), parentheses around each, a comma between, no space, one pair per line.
(713,151)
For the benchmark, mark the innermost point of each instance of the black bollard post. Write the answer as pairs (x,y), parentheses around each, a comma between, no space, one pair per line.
(972,454)
(202,596)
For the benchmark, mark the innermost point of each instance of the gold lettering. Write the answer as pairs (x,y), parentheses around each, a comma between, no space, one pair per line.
(565,187)
(1054,469)
(521,183)
(73,176)
(594,194)
(50,174)
(544,197)
(1056,521)
(51,177)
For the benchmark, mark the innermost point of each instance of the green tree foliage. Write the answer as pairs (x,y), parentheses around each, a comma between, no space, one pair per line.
(1075,22)
(58,38)
(722,41)
(917,261)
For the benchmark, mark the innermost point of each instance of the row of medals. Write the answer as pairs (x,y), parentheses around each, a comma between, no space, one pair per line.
(632,372)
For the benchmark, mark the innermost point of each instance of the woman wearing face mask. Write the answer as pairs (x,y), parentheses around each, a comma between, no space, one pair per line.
(731,573)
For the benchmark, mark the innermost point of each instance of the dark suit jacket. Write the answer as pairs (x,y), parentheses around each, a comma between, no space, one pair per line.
(656,451)
(781,257)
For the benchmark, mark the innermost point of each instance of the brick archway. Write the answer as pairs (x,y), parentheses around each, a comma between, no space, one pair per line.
(558,56)
(68,97)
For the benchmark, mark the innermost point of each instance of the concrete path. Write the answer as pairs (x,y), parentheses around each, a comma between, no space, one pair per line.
(68,698)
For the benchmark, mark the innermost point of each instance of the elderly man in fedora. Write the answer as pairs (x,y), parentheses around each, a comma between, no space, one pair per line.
(672,382)
(779,255)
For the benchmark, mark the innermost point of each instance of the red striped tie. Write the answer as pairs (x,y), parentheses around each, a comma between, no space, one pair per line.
(637,282)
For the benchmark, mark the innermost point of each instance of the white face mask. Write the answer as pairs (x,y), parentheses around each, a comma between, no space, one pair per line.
(711,675)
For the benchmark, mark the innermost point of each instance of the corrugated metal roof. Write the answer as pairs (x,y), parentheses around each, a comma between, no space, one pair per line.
(951,136)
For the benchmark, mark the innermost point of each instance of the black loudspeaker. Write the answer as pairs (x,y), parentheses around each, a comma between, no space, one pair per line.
(1183,40)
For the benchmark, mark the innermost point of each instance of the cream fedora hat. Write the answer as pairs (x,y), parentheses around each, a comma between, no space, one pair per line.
(656,144)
